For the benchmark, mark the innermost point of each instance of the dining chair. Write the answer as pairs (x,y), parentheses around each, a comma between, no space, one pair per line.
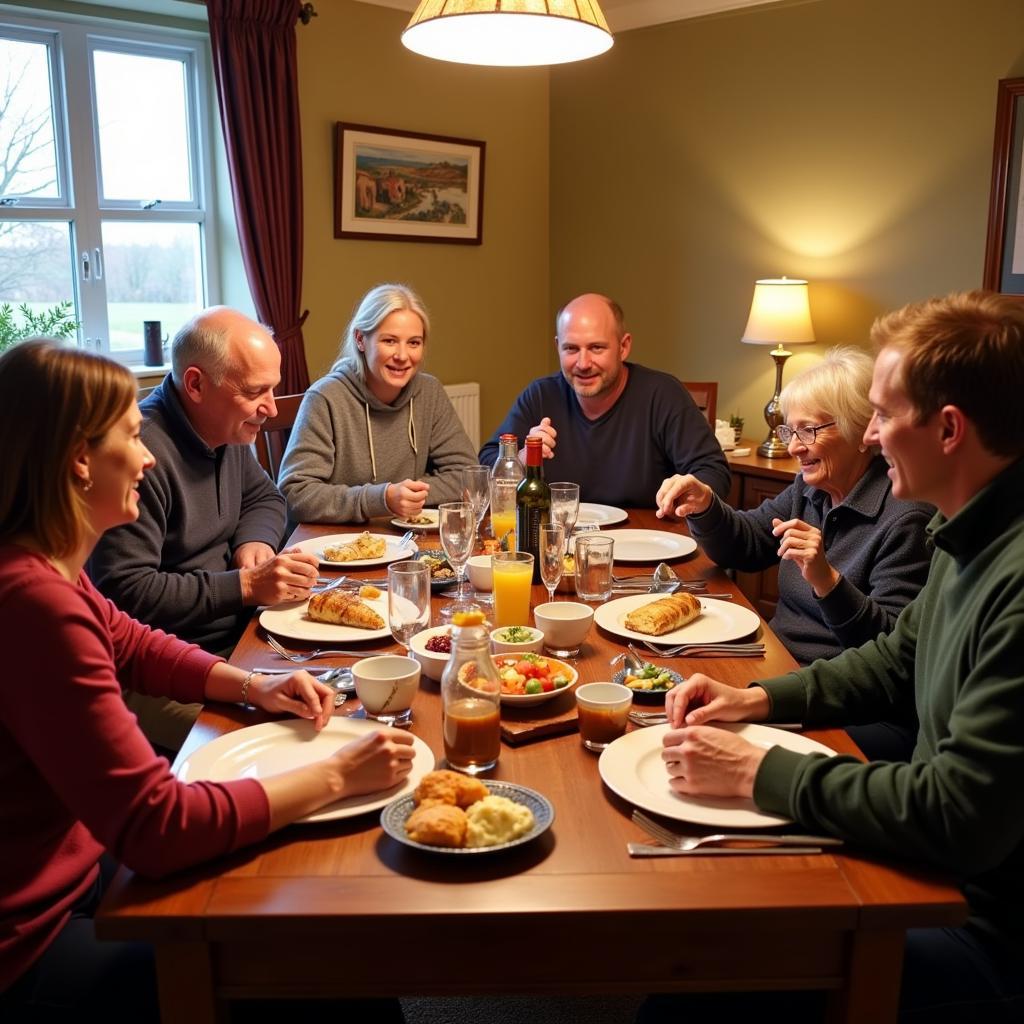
(271,441)
(705,394)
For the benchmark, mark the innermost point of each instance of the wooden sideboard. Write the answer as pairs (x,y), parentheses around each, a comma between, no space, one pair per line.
(755,478)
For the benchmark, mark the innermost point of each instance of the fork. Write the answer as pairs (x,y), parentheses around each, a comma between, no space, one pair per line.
(676,841)
(739,650)
(302,656)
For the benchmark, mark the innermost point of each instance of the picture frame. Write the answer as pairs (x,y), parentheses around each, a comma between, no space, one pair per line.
(404,186)
(1004,246)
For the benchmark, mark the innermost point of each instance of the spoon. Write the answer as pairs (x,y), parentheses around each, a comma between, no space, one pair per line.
(630,662)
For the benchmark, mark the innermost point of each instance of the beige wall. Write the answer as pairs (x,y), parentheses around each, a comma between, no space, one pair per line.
(845,141)
(489,303)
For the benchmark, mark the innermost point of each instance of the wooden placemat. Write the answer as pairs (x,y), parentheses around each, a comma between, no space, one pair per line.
(551,718)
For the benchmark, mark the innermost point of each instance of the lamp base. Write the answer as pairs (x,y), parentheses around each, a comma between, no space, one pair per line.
(773,448)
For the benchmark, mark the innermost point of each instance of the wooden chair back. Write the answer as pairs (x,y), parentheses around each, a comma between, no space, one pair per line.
(705,394)
(271,440)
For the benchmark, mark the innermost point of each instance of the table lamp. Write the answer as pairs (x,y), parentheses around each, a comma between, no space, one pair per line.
(779,315)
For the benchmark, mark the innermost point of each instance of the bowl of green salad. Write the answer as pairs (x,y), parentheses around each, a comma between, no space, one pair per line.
(516,640)
(650,684)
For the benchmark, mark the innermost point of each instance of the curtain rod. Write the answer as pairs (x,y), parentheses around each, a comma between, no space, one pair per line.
(307,12)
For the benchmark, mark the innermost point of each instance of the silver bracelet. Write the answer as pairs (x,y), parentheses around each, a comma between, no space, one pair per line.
(245,686)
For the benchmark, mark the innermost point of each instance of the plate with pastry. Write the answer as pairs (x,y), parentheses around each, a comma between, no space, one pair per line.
(650,545)
(270,748)
(357,550)
(452,813)
(336,616)
(423,523)
(676,619)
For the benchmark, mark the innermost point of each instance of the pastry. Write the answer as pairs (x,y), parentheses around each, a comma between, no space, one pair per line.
(364,546)
(437,825)
(369,591)
(447,787)
(343,608)
(664,615)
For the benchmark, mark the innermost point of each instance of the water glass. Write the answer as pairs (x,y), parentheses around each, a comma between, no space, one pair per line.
(565,505)
(457,526)
(552,548)
(476,488)
(595,556)
(408,600)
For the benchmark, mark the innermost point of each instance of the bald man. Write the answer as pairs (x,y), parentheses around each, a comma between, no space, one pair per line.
(611,425)
(203,551)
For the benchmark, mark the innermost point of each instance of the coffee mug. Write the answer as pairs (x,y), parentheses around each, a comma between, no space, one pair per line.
(387,685)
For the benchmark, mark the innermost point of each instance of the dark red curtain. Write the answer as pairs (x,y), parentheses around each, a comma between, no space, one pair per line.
(254,62)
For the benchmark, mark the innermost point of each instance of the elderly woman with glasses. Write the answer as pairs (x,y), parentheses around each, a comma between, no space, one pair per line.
(850,555)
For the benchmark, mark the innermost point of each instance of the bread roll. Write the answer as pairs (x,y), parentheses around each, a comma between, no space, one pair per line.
(664,615)
(343,608)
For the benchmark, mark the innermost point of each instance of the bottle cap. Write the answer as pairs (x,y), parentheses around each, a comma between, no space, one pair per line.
(509,437)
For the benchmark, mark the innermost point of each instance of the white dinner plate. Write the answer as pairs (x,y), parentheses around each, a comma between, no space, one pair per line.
(392,552)
(599,515)
(632,767)
(290,620)
(427,513)
(718,622)
(274,747)
(650,545)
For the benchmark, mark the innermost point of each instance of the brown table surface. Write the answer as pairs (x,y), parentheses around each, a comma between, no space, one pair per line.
(340,909)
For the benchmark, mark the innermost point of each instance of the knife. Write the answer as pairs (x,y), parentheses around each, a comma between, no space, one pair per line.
(645,850)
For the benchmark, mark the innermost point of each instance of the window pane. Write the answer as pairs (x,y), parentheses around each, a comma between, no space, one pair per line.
(153,272)
(28,156)
(35,267)
(143,126)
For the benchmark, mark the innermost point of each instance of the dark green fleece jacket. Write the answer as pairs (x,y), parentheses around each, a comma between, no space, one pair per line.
(957,651)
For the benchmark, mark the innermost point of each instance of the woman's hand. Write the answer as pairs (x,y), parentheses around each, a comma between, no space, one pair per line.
(804,545)
(373,762)
(406,499)
(297,694)
(704,761)
(703,699)
(682,496)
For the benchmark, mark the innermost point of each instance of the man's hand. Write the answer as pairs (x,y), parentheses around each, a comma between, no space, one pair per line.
(251,554)
(803,544)
(682,496)
(407,498)
(547,433)
(704,761)
(703,699)
(285,577)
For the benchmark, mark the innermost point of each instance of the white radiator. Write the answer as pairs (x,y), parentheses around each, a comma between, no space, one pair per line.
(466,399)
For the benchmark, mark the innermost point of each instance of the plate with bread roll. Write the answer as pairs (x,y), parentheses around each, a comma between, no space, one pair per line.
(357,550)
(678,618)
(335,616)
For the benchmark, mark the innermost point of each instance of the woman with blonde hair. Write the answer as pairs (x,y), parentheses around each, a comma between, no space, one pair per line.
(850,555)
(80,779)
(376,436)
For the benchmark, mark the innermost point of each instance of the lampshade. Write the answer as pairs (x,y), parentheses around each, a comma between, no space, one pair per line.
(508,33)
(779,314)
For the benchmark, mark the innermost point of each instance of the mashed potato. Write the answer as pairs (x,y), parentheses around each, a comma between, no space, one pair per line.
(496,819)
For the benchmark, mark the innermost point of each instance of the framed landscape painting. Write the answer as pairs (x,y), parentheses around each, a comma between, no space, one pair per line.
(1004,248)
(406,186)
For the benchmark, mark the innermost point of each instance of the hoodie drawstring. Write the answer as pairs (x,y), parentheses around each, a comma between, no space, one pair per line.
(412,429)
(369,439)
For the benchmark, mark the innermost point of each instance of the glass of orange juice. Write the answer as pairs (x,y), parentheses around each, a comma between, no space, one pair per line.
(512,575)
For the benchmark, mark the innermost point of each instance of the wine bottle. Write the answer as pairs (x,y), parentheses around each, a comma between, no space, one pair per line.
(533,503)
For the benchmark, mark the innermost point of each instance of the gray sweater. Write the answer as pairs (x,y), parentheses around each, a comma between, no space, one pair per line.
(347,446)
(172,567)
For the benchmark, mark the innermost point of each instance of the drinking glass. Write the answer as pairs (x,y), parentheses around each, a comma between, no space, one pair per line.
(457,526)
(565,506)
(476,488)
(503,513)
(512,574)
(594,561)
(552,548)
(408,600)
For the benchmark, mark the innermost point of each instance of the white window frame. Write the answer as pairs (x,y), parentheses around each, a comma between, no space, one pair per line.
(72,43)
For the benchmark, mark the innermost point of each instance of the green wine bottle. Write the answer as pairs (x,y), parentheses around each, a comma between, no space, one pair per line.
(533,503)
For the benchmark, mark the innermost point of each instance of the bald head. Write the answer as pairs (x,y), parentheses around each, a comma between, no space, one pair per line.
(594,308)
(592,348)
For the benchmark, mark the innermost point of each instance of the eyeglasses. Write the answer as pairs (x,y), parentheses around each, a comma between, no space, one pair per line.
(806,434)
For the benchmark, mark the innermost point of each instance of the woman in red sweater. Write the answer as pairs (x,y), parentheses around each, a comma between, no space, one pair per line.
(78,779)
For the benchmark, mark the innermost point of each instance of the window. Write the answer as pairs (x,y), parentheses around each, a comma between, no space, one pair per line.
(104,181)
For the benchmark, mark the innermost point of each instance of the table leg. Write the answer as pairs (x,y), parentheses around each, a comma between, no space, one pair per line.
(872,991)
(185,979)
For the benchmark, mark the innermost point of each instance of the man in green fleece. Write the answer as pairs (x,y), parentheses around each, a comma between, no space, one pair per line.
(949,419)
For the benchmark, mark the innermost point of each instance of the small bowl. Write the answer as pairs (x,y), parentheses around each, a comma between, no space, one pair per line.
(531,646)
(565,625)
(649,696)
(432,662)
(525,700)
(479,569)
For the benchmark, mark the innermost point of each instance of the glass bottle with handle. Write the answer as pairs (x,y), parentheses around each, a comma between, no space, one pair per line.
(506,473)
(533,503)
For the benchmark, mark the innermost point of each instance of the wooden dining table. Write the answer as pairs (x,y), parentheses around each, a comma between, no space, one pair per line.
(340,909)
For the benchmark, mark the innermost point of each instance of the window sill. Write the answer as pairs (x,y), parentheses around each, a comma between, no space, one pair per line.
(150,371)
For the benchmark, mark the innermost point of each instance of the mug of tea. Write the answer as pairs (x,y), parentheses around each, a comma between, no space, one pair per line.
(603,710)
(387,685)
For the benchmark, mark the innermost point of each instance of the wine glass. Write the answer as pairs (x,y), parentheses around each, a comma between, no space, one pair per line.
(476,488)
(552,546)
(565,506)
(408,600)
(457,526)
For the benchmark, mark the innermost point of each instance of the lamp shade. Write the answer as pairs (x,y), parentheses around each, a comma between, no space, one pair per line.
(508,33)
(779,314)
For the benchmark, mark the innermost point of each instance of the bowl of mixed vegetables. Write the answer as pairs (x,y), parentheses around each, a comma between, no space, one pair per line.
(532,679)
(650,684)
(517,640)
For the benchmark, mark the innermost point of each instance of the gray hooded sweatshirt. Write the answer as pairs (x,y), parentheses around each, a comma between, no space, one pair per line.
(347,446)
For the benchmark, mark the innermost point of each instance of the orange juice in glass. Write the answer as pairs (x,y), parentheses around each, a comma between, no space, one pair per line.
(512,574)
